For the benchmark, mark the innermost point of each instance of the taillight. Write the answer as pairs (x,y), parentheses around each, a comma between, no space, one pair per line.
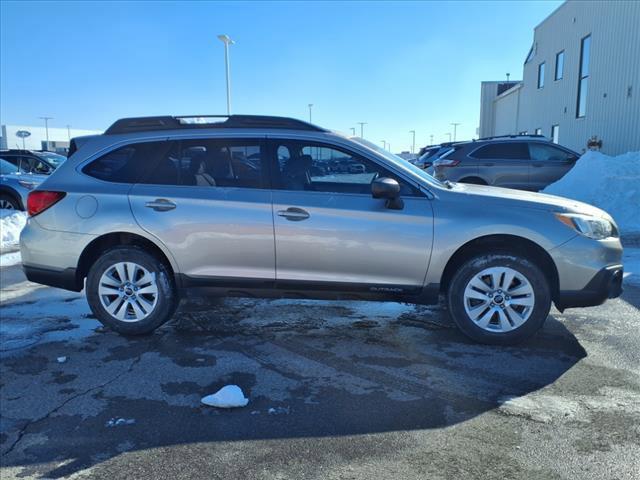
(445,162)
(39,200)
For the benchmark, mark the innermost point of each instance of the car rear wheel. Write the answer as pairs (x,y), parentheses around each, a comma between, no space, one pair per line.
(131,291)
(499,299)
(7,202)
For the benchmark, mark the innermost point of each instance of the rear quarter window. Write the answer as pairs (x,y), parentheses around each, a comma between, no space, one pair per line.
(127,164)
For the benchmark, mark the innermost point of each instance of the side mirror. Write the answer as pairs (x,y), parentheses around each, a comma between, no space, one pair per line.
(389,189)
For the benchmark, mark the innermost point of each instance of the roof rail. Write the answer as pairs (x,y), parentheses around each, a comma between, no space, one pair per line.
(533,135)
(149,124)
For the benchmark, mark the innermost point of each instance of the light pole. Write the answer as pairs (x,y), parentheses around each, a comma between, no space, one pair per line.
(69,132)
(455,127)
(449,133)
(46,128)
(413,142)
(431,139)
(362,124)
(384,144)
(353,131)
(310,106)
(227,41)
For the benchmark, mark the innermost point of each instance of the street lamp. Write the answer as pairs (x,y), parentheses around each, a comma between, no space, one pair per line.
(455,127)
(227,41)
(362,124)
(413,143)
(449,133)
(310,106)
(46,128)
(353,131)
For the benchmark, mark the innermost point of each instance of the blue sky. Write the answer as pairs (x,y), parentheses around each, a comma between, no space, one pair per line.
(398,66)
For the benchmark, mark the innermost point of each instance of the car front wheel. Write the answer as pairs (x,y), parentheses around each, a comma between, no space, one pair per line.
(499,299)
(131,291)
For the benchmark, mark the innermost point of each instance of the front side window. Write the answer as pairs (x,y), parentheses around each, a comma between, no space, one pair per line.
(127,164)
(506,151)
(559,65)
(546,153)
(541,75)
(583,79)
(322,168)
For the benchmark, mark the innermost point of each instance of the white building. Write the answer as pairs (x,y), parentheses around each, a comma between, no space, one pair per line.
(581,79)
(37,140)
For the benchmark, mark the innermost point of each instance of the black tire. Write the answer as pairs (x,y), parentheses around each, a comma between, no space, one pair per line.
(15,205)
(476,265)
(167,298)
(473,181)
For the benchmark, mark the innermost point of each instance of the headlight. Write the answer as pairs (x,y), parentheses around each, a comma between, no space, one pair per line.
(592,227)
(27,185)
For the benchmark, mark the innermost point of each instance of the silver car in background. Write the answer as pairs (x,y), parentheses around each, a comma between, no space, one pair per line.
(164,207)
(15,186)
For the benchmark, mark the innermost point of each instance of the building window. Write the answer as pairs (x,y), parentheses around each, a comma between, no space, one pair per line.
(555,133)
(583,81)
(541,75)
(559,65)
(538,131)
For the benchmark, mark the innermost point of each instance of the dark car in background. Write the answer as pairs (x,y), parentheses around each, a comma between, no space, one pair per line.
(428,154)
(524,162)
(31,161)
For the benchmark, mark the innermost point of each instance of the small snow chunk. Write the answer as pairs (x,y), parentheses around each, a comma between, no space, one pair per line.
(61,359)
(278,410)
(118,421)
(255,412)
(229,396)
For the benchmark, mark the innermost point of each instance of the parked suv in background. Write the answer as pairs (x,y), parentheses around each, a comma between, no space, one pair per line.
(524,162)
(15,185)
(158,208)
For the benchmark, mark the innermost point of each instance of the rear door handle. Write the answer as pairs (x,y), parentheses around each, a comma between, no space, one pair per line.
(161,205)
(294,214)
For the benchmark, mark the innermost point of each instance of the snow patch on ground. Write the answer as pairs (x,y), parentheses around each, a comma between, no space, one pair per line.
(11,224)
(10,259)
(609,183)
(229,396)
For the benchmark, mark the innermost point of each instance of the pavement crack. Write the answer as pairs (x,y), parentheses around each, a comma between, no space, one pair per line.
(23,430)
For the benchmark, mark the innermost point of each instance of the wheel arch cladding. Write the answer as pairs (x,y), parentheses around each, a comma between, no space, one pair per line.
(98,246)
(502,244)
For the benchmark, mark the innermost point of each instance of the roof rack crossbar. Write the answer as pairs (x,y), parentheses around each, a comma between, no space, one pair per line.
(150,124)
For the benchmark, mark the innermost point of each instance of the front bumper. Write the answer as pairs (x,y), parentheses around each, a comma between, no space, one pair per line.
(607,283)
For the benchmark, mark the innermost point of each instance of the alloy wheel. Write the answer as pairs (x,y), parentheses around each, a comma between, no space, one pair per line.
(128,291)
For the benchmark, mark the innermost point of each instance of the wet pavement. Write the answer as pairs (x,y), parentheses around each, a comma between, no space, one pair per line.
(337,390)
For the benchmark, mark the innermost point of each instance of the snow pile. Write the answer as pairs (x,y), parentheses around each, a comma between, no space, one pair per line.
(609,183)
(631,262)
(11,224)
(229,396)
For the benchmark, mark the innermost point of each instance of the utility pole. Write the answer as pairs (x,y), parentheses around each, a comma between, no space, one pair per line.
(46,128)
(310,106)
(362,124)
(413,142)
(431,139)
(455,127)
(227,41)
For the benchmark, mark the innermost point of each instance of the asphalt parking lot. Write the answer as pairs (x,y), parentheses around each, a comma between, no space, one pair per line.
(337,390)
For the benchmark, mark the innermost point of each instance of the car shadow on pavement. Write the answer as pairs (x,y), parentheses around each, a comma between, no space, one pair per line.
(337,370)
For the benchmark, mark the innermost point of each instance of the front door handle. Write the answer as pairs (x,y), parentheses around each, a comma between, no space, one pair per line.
(294,214)
(161,205)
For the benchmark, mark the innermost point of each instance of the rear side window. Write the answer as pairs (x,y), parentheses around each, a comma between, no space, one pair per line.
(507,151)
(127,164)
(210,163)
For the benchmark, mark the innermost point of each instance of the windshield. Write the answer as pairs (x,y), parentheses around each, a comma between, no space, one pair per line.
(53,158)
(401,162)
(6,168)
